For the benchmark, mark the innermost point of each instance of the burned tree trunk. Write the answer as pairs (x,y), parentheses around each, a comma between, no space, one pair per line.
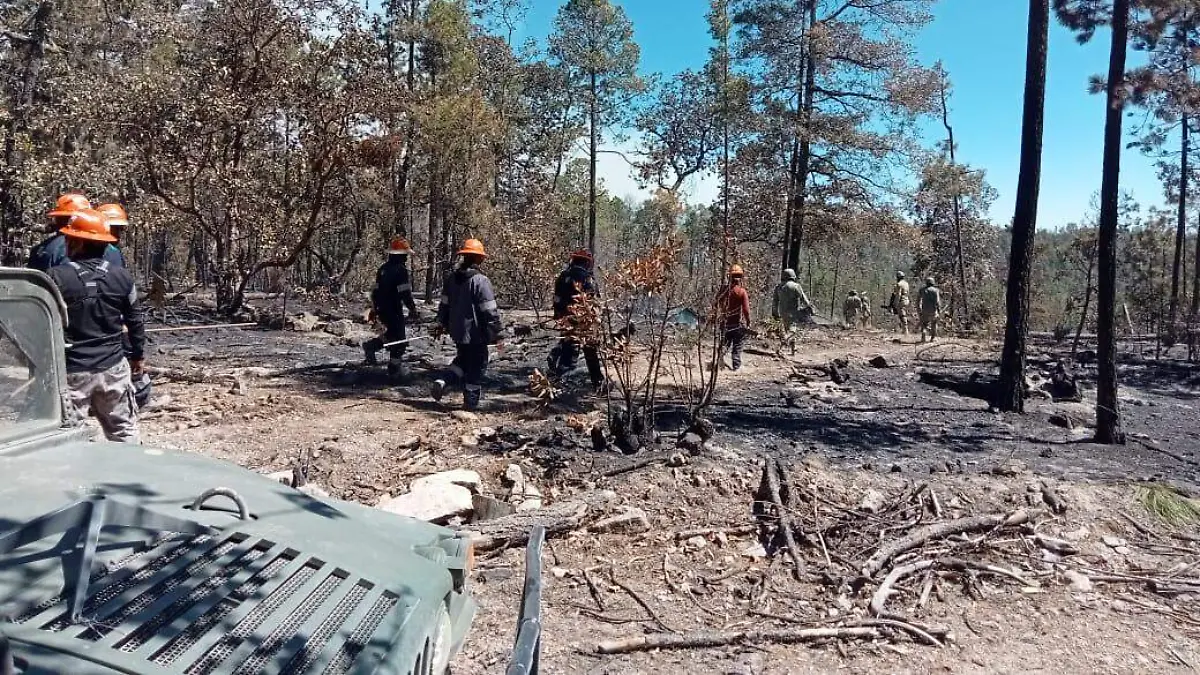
(1012,362)
(1108,415)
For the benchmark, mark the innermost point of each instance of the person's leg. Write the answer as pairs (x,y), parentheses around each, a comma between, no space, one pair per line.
(79,397)
(114,405)
(568,356)
(591,357)
(738,339)
(370,348)
(452,376)
(396,331)
(475,361)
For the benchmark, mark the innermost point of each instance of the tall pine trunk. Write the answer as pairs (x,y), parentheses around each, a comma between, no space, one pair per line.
(800,194)
(1012,361)
(962,304)
(593,142)
(1108,415)
(1180,231)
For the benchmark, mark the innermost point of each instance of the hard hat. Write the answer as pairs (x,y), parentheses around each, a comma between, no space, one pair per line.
(789,274)
(929,281)
(582,254)
(399,246)
(114,215)
(473,247)
(68,204)
(88,224)
(899,275)
(737,271)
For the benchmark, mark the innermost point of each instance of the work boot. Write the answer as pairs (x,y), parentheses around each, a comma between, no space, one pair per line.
(369,355)
(437,389)
(471,396)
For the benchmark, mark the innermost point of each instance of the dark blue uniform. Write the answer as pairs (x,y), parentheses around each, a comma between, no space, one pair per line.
(52,252)
(469,313)
(392,294)
(573,282)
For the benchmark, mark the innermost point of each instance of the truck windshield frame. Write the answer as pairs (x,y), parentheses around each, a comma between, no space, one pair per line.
(28,374)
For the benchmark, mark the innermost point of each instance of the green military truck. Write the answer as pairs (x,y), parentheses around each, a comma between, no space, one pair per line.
(129,559)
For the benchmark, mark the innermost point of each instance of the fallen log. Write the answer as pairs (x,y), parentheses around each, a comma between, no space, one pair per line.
(644,643)
(559,518)
(775,490)
(919,536)
(879,600)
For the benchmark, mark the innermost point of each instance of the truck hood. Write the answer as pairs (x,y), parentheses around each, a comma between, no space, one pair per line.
(302,585)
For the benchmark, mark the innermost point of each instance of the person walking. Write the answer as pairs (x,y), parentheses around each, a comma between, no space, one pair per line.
(576,282)
(102,307)
(468,312)
(898,304)
(790,304)
(52,251)
(733,307)
(391,296)
(930,307)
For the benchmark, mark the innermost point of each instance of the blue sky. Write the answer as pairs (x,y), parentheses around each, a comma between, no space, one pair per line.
(982,44)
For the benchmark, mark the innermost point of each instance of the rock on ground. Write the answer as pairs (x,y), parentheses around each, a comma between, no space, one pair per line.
(461,477)
(437,503)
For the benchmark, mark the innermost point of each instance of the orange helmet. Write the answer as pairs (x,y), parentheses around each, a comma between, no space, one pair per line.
(399,246)
(114,215)
(68,204)
(473,247)
(582,254)
(88,224)
(737,271)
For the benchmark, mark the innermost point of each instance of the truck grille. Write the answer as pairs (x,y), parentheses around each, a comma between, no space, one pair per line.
(226,603)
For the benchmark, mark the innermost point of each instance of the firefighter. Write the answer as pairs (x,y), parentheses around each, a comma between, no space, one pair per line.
(575,281)
(865,316)
(392,294)
(102,306)
(790,305)
(898,303)
(469,313)
(52,251)
(117,220)
(733,306)
(930,307)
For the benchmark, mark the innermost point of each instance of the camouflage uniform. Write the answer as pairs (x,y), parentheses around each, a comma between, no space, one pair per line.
(899,303)
(931,309)
(852,309)
(109,395)
(790,302)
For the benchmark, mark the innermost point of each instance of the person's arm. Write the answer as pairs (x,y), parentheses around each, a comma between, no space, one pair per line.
(406,295)
(746,307)
(487,309)
(803,296)
(775,302)
(135,324)
(443,311)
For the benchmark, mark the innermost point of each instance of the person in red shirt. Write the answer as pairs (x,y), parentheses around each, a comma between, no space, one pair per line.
(734,308)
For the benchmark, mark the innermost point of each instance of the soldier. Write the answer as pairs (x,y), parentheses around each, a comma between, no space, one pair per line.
(898,304)
(102,306)
(392,294)
(733,306)
(469,313)
(930,309)
(575,281)
(790,303)
(52,251)
(852,310)
(865,316)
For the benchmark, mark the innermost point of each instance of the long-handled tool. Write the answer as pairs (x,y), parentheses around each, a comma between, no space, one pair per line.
(166,329)
(407,340)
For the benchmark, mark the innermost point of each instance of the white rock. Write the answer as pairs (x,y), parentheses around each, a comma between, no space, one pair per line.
(1077,535)
(408,443)
(1079,583)
(873,501)
(514,478)
(558,572)
(438,503)
(339,328)
(314,491)
(754,551)
(1112,541)
(464,416)
(1123,550)
(284,477)
(696,543)
(632,520)
(462,477)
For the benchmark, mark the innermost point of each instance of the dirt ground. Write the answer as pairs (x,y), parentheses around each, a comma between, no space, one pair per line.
(267,399)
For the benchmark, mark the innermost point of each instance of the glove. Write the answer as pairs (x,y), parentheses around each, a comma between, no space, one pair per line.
(136,367)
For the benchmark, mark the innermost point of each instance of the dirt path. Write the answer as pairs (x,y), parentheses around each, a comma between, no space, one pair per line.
(883,430)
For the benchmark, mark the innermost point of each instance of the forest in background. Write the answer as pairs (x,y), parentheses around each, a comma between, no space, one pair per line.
(265,144)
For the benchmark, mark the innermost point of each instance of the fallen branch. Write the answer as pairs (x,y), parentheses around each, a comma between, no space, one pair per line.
(1058,546)
(905,626)
(772,476)
(645,605)
(921,535)
(705,531)
(634,466)
(711,639)
(879,600)
(513,530)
